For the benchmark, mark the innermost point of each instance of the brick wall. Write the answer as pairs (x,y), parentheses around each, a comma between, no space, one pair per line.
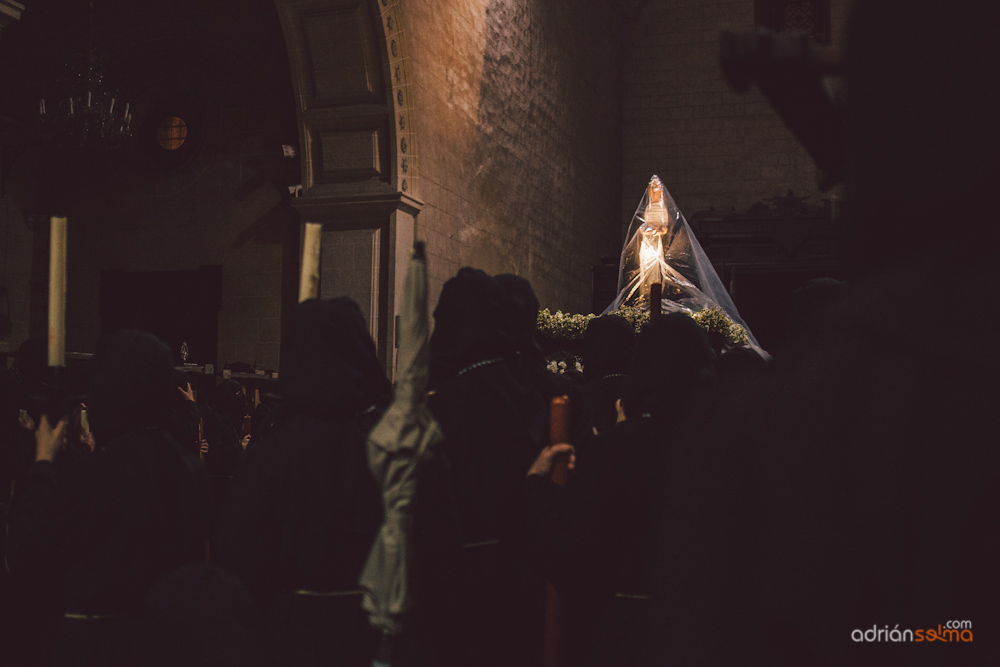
(517,110)
(711,147)
(539,124)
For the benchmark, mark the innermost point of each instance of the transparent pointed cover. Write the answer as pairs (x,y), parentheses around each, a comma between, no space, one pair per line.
(662,248)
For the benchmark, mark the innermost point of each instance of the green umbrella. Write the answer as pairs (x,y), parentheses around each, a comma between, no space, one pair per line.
(404,437)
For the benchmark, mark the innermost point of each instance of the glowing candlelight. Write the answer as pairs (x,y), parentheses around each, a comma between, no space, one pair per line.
(309,282)
(57,293)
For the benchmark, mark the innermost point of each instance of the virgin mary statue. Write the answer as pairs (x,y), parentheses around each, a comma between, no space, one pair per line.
(661,248)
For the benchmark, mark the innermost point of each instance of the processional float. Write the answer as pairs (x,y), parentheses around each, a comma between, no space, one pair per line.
(661,250)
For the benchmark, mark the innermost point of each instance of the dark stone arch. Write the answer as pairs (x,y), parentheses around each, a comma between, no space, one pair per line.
(358,148)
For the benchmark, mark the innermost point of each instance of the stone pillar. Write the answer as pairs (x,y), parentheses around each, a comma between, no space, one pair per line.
(10,11)
(365,249)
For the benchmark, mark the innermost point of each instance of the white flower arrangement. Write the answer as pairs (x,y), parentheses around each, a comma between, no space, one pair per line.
(563,361)
(566,326)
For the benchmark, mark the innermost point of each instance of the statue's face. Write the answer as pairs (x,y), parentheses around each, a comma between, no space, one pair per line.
(655,191)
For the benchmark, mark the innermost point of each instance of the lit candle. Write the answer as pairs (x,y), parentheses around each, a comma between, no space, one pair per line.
(57,293)
(111,109)
(126,109)
(71,106)
(309,283)
(41,107)
(88,99)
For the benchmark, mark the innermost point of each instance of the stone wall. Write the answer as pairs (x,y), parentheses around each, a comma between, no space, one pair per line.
(535,126)
(517,107)
(711,147)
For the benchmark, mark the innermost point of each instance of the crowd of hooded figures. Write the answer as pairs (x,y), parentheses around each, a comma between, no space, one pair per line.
(825,508)
(119,550)
(693,496)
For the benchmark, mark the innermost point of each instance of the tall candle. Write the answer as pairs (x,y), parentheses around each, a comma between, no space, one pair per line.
(655,299)
(309,282)
(57,293)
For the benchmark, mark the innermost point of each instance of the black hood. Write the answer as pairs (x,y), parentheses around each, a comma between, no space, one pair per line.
(328,360)
(525,322)
(8,401)
(31,366)
(472,322)
(231,401)
(608,343)
(672,364)
(131,384)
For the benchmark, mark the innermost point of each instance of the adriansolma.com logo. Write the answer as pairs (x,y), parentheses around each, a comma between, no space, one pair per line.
(952,631)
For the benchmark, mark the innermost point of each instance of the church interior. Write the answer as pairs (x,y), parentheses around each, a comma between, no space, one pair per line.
(799,469)
(514,136)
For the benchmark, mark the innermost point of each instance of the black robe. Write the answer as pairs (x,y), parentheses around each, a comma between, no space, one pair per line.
(608,343)
(304,509)
(104,529)
(594,538)
(854,484)
(530,371)
(202,616)
(224,429)
(477,601)
(182,422)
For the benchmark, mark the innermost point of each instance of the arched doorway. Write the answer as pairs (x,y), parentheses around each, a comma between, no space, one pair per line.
(358,149)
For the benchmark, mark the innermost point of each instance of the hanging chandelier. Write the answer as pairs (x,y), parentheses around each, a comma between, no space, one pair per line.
(81,110)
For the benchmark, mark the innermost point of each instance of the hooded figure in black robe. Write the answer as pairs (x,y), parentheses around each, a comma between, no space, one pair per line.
(304,509)
(106,529)
(608,343)
(476,601)
(530,367)
(182,421)
(593,537)
(31,370)
(224,428)
(17,445)
(17,451)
